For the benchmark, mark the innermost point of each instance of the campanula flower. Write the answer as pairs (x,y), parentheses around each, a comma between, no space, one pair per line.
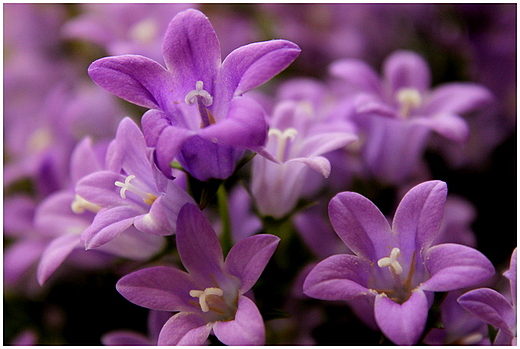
(395,266)
(197,113)
(210,295)
(399,110)
(131,191)
(493,308)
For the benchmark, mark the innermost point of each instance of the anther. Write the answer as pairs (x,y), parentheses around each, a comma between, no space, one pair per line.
(79,205)
(408,98)
(392,262)
(201,295)
(288,134)
(127,186)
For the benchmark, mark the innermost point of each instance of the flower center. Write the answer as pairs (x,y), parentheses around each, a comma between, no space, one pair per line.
(127,186)
(203,99)
(392,262)
(211,297)
(283,139)
(79,205)
(409,99)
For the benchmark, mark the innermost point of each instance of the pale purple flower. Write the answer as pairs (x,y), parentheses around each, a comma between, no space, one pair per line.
(131,191)
(495,309)
(156,320)
(395,266)
(399,110)
(210,295)
(197,113)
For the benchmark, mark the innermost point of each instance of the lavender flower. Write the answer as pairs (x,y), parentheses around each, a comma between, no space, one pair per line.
(396,266)
(210,296)
(493,308)
(195,114)
(399,111)
(130,192)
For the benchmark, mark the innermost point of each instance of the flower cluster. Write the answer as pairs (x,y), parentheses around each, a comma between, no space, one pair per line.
(260,174)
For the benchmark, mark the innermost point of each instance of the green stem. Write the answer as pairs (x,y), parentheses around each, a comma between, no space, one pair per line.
(223,209)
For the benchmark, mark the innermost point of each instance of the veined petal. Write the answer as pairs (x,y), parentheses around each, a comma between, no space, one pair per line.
(403,323)
(448,125)
(246,329)
(169,144)
(419,215)
(322,143)
(248,258)
(83,160)
(491,307)
(511,275)
(454,266)
(99,188)
(54,254)
(245,125)
(406,69)
(184,329)
(358,222)
(153,122)
(191,50)
(338,277)
(108,224)
(197,243)
(358,73)
(317,163)
(134,78)
(158,288)
(457,98)
(156,221)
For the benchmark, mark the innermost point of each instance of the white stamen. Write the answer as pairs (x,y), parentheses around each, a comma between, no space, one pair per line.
(288,134)
(192,96)
(79,205)
(391,261)
(147,197)
(210,291)
(409,98)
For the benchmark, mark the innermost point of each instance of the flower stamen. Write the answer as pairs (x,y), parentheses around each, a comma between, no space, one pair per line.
(79,205)
(392,262)
(127,186)
(283,138)
(202,296)
(203,99)
(408,98)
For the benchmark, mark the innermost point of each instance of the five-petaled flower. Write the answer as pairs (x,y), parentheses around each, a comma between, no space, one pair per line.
(197,112)
(210,296)
(395,267)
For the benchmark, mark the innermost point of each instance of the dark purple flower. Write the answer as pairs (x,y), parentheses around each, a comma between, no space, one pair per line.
(210,295)
(395,266)
(493,308)
(197,113)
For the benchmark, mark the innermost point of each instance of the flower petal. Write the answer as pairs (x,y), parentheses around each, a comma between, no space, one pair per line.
(511,275)
(448,125)
(403,323)
(419,215)
(169,144)
(491,307)
(54,254)
(158,288)
(134,78)
(125,338)
(99,188)
(454,266)
(457,98)
(317,163)
(197,243)
(358,222)
(339,277)
(246,329)
(407,69)
(247,259)
(358,73)
(184,329)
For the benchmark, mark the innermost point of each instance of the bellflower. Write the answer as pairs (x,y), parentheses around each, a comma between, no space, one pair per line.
(493,308)
(399,110)
(395,267)
(197,113)
(210,295)
(131,191)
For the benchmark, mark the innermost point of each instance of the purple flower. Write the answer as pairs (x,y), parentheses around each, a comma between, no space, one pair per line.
(156,320)
(493,308)
(210,295)
(132,191)
(196,115)
(399,111)
(395,267)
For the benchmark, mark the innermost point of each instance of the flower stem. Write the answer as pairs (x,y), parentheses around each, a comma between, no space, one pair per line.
(223,209)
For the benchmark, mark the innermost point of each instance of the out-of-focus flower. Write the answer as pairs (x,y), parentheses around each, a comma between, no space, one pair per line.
(196,115)
(395,266)
(493,308)
(210,296)
(156,320)
(398,111)
(131,191)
